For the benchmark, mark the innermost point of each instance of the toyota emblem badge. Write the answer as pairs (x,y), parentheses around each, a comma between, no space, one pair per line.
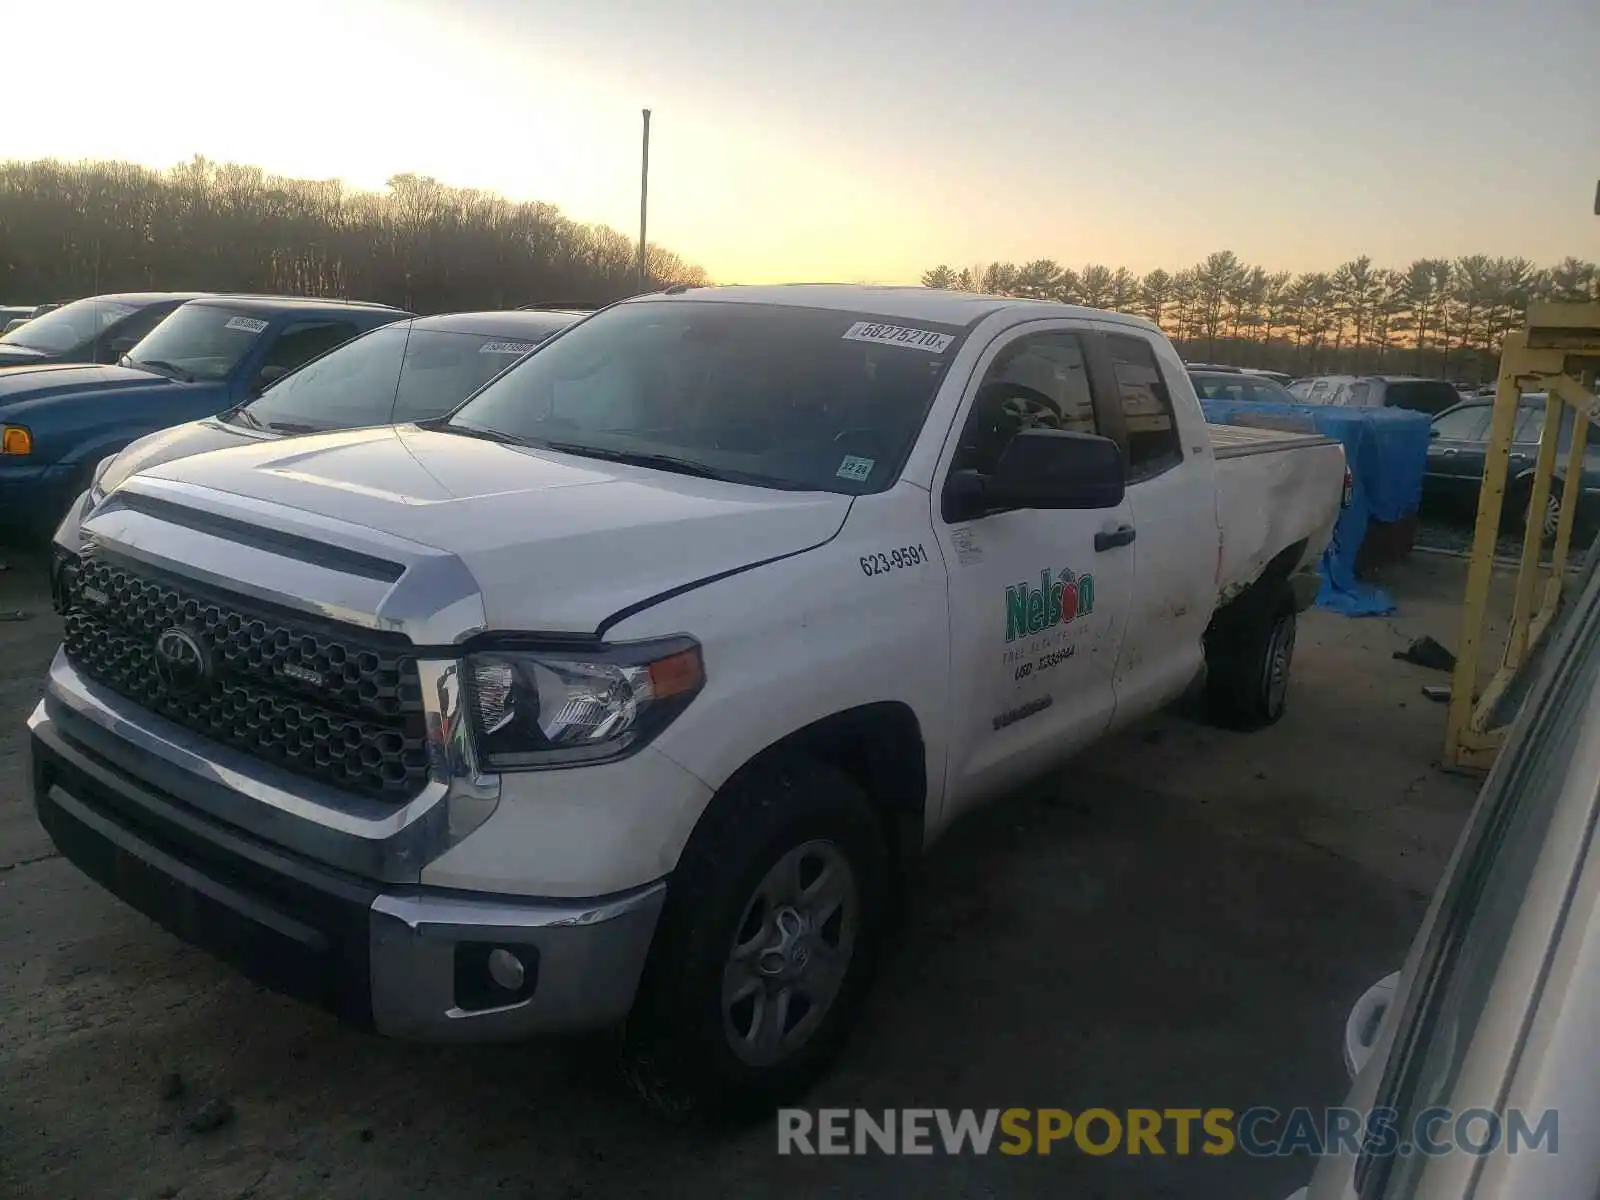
(181,661)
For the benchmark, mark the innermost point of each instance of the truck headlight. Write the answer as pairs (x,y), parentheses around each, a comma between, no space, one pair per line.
(550,708)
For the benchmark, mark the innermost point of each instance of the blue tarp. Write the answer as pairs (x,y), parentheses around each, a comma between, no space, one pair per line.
(1387,452)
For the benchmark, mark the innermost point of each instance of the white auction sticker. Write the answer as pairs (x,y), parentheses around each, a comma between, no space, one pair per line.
(899,335)
(505,348)
(247,324)
(855,468)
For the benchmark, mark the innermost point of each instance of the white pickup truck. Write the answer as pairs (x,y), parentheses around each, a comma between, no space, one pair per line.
(627,693)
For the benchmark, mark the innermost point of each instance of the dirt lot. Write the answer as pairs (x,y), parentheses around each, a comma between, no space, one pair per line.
(1181,919)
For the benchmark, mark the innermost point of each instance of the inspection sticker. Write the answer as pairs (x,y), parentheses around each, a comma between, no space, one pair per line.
(965,541)
(899,335)
(856,469)
(505,347)
(248,324)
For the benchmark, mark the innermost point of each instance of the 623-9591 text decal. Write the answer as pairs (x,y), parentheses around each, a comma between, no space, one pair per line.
(894,560)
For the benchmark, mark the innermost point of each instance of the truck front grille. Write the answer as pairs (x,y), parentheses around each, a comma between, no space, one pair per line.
(336,704)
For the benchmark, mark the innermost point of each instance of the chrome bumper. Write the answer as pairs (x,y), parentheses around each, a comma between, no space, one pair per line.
(404,960)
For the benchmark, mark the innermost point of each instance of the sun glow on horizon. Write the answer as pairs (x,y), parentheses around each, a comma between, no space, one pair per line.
(752,182)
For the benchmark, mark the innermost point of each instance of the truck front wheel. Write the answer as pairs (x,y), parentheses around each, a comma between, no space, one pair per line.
(1248,658)
(765,948)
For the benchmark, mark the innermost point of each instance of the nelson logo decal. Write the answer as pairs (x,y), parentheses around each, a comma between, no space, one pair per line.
(1054,602)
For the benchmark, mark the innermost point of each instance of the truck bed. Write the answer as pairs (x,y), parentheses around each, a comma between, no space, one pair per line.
(1274,488)
(1238,441)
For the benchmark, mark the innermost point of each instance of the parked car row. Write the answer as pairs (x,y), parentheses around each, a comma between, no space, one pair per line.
(1377,391)
(1355,391)
(212,359)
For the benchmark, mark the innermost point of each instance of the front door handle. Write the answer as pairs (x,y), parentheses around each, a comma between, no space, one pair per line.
(1123,535)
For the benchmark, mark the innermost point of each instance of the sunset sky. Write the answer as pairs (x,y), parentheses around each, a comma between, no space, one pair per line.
(872,139)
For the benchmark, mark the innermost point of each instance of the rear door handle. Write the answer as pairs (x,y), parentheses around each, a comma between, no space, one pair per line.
(1123,535)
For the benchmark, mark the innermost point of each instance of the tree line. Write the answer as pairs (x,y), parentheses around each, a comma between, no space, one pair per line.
(87,228)
(1437,317)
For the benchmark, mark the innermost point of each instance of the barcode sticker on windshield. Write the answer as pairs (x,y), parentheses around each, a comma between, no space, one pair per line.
(899,335)
(248,324)
(505,347)
(856,469)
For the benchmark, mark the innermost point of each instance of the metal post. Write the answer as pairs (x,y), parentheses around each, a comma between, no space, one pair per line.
(644,200)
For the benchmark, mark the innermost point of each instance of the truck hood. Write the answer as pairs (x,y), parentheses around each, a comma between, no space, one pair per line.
(555,543)
(23,387)
(192,437)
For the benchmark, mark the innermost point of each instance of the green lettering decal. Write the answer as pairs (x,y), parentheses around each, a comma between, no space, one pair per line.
(1016,611)
(1085,595)
(1052,611)
(1035,611)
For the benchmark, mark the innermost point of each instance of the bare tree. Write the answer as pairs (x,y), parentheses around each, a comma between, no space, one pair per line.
(73,229)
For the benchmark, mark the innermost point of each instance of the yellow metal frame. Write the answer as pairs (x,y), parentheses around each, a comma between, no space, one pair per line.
(1559,353)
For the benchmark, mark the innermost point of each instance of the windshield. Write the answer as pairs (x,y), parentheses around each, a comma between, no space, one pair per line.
(69,326)
(199,341)
(394,374)
(442,369)
(350,386)
(772,395)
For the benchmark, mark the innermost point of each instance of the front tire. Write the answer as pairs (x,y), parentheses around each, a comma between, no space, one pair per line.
(766,946)
(1248,660)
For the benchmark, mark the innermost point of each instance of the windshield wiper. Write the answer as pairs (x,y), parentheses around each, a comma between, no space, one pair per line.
(242,414)
(164,368)
(295,427)
(631,458)
(439,425)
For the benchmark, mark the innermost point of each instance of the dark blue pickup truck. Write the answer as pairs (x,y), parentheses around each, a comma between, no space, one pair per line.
(57,422)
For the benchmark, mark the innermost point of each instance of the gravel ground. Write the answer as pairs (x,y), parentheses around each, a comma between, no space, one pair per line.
(1180,918)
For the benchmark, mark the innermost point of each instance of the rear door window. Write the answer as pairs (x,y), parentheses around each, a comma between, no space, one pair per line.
(303,341)
(1464,425)
(1153,444)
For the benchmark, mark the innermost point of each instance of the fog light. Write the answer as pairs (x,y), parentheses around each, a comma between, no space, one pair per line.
(506,969)
(489,976)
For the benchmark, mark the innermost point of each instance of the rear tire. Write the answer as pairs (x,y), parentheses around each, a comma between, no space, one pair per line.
(1249,654)
(766,947)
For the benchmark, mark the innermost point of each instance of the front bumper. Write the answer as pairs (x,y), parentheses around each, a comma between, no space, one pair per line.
(406,961)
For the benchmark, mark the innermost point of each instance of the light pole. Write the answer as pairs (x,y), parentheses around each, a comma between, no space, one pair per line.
(644,199)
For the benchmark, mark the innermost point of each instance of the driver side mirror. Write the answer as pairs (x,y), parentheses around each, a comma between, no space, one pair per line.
(1433,433)
(1046,469)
